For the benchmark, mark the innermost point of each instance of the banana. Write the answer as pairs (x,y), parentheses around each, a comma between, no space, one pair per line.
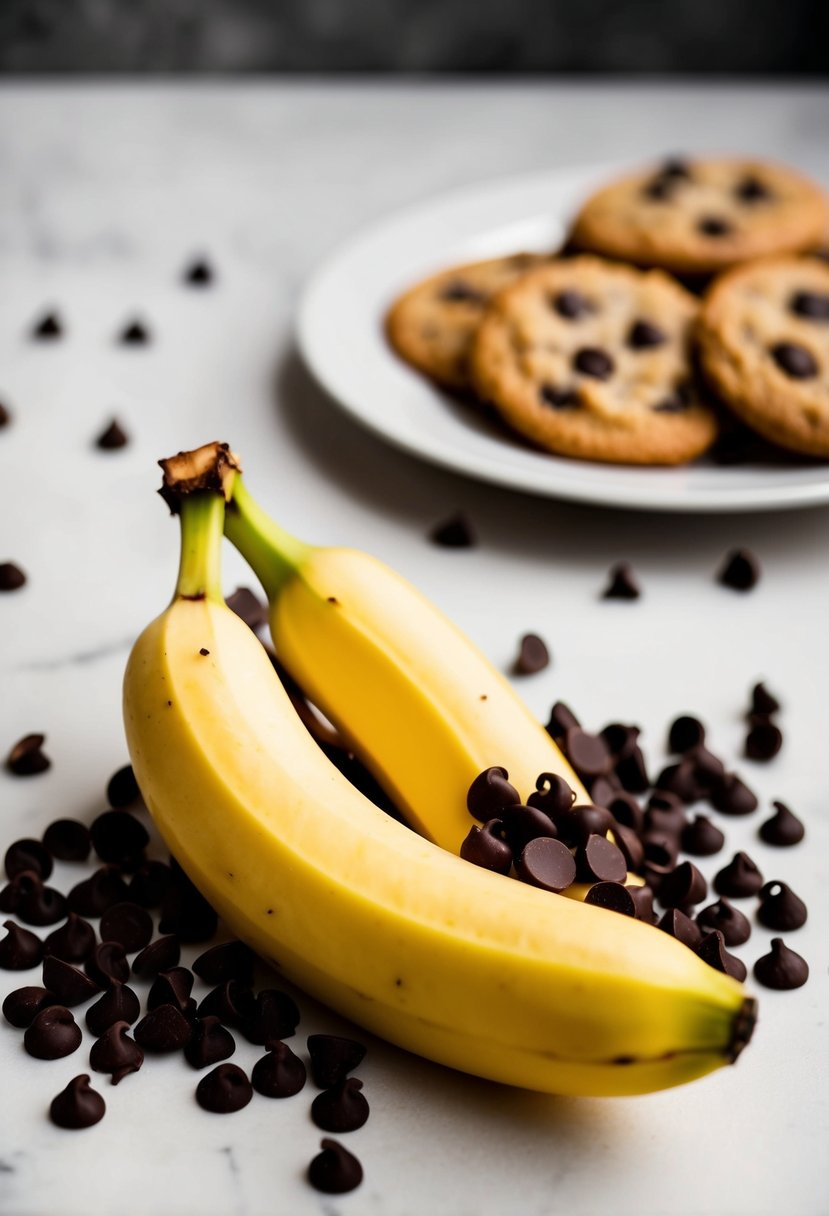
(420,705)
(463,966)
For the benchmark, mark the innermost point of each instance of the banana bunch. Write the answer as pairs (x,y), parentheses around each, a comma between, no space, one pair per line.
(446,959)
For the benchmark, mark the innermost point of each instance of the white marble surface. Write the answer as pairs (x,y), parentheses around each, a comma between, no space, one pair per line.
(105,191)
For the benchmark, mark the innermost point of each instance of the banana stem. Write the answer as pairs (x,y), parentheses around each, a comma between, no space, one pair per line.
(273,553)
(202,522)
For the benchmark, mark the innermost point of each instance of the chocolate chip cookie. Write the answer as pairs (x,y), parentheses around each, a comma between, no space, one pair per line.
(432,325)
(697,217)
(764,346)
(592,359)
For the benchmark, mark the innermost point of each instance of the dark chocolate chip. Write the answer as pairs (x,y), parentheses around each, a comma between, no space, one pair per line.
(665,813)
(227,961)
(490,794)
(599,860)
(160,955)
(751,189)
(714,225)
(570,304)
(23,1004)
(575,827)
(122,788)
(230,1002)
(186,912)
(631,847)
(702,838)
(118,1004)
(249,608)
(454,533)
(680,779)
(713,952)
(12,578)
(594,362)
(48,327)
(661,851)
(274,1016)
(626,811)
(545,863)
(783,828)
(683,886)
(763,740)
(680,926)
(342,1108)
(33,903)
(107,962)
(211,1042)
(659,189)
(150,883)
(485,847)
(67,840)
(732,796)
(561,720)
(28,855)
(224,1090)
(135,333)
(116,1052)
(333,1057)
(533,655)
(604,789)
(619,739)
(811,304)
(794,360)
(198,273)
(100,891)
(521,824)
(278,1074)
(559,398)
(27,758)
(622,584)
(613,896)
(686,732)
(708,769)
(781,968)
(118,837)
(69,984)
(676,167)
(334,1171)
(632,772)
(5,415)
(739,878)
(763,701)
(459,292)
(77,1106)
(552,795)
(644,334)
(587,753)
(128,924)
(112,437)
(780,908)
(20,950)
(722,915)
(172,987)
(73,942)
(740,571)
(163,1029)
(54,1033)
(642,897)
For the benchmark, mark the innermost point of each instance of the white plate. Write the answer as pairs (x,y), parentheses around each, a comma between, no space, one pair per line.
(340,335)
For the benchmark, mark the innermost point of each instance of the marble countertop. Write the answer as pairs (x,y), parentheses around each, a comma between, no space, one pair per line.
(106,192)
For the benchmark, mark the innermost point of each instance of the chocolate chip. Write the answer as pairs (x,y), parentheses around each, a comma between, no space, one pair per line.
(73,942)
(67,840)
(622,584)
(116,1052)
(702,838)
(594,362)
(545,863)
(680,926)
(485,847)
(751,189)
(459,292)
(112,437)
(676,167)
(5,415)
(739,878)
(626,811)
(680,779)
(561,719)
(118,1004)
(334,1171)
(172,987)
(230,1002)
(69,984)
(665,813)
(186,912)
(783,829)
(740,571)
(686,732)
(490,794)
(658,189)
(587,753)
(709,770)
(164,1029)
(811,304)
(714,225)
(613,896)
(210,1043)
(227,961)
(150,883)
(644,334)
(713,952)
(275,1016)
(48,327)
(521,824)
(100,891)
(342,1108)
(198,273)
(630,845)
(576,826)
(135,333)
(780,908)
(570,304)
(781,968)
(122,788)
(559,398)
(118,837)
(77,1106)
(20,950)
(23,1004)
(722,915)
(533,655)
(12,578)
(53,1034)
(599,860)
(763,740)
(27,757)
(33,903)
(28,855)
(732,796)
(333,1057)
(128,924)
(619,739)
(552,795)
(454,533)
(661,850)
(160,955)
(224,1090)
(642,897)
(796,361)
(249,607)
(604,789)
(763,701)
(683,886)
(107,962)
(632,773)
(279,1074)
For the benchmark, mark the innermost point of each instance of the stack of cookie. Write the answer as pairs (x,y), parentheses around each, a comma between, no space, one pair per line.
(609,352)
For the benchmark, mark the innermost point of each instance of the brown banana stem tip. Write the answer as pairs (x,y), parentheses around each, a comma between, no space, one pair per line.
(210,468)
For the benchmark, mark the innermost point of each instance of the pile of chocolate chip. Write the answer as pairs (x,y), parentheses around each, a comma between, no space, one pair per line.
(98,968)
(552,843)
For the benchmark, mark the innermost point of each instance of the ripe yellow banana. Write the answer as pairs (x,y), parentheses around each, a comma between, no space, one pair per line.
(465,967)
(420,705)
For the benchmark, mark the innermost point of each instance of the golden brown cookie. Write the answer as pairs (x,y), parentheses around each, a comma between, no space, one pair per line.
(432,325)
(764,346)
(698,217)
(592,359)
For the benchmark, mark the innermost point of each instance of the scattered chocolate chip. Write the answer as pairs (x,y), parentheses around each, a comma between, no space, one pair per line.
(23,1004)
(198,273)
(150,883)
(118,837)
(561,719)
(642,897)
(701,838)
(334,1171)
(783,829)
(559,398)
(631,847)
(622,584)
(278,1074)
(459,292)
(54,1033)
(587,753)
(552,795)
(619,739)
(763,740)
(224,1090)
(107,962)
(73,942)
(740,571)
(122,788)
(604,789)
(67,840)
(594,362)
(210,1043)
(533,655)
(118,1004)
(796,361)
(161,955)
(763,701)
(545,863)
(659,189)
(708,769)
(632,772)
(12,577)
(661,851)
(739,878)
(135,333)
(485,847)
(490,794)
(342,1108)
(128,924)
(28,855)
(116,1052)
(275,1016)
(665,813)
(33,903)
(676,167)
(227,961)
(811,304)
(714,225)
(570,304)
(680,926)
(732,796)
(454,533)
(599,860)
(112,437)
(680,779)
(77,1106)
(751,189)
(644,334)
(713,952)
(48,327)
(780,908)
(27,757)
(163,1029)
(521,824)
(5,415)
(333,1057)
(626,811)
(100,891)
(613,896)
(68,983)
(172,987)
(230,1002)
(722,915)
(686,732)
(683,886)
(781,968)
(20,950)
(576,826)
(186,912)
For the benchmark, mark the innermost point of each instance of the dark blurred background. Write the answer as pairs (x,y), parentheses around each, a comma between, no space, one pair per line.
(416,36)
